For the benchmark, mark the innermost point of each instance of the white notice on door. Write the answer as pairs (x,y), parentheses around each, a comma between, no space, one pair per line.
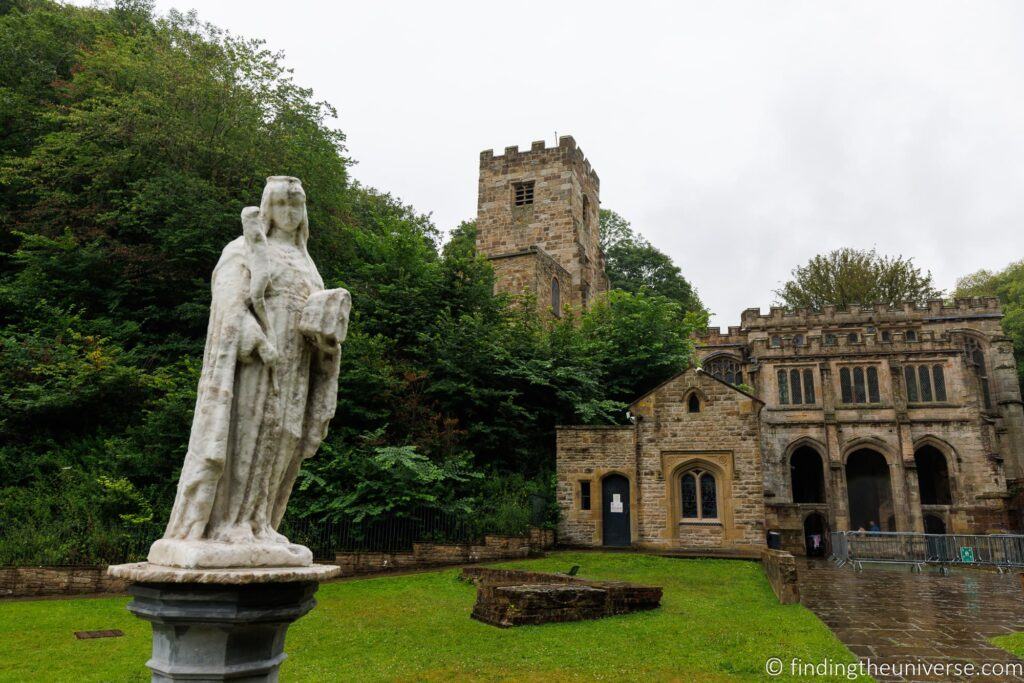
(616,502)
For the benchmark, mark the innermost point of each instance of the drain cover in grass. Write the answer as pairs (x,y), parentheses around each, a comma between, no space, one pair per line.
(112,633)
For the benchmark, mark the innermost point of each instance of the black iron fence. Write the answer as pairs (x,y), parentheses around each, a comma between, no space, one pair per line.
(394,533)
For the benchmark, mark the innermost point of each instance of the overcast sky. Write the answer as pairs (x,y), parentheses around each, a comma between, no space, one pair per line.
(740,138)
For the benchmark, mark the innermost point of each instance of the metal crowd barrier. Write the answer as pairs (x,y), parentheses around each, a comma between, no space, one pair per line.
(1002,551)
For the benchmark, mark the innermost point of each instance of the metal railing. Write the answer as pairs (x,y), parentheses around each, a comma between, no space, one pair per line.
(1002,551)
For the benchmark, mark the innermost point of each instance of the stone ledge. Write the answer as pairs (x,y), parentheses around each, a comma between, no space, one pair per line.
(144,572)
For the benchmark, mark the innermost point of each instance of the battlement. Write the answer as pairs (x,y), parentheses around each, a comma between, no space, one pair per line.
(927,341)
(713,336)
(566,151)
(935,309)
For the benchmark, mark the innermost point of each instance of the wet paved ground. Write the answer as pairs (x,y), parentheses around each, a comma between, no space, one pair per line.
(892,615)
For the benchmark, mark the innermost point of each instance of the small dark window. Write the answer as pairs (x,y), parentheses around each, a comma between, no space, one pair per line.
(783,379)
(808,386)
(939,383)
(794,386)
(584,495)
(585,295)
(910,379)
(976,358)
(556,297)
(523,193)
(798,340)
(776,342)
(870,329)
(912,335)
(693,404)
(886,335)
(830,339)
(846,384)
(873,384)
(852,337)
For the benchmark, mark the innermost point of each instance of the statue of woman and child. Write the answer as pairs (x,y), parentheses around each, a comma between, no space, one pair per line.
(267,392)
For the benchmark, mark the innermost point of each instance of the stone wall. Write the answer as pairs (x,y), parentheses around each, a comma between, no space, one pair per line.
(46,581)
(587,454)
(493,548)
(780,568)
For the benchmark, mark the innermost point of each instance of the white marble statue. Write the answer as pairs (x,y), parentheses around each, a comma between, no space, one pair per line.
(267,392)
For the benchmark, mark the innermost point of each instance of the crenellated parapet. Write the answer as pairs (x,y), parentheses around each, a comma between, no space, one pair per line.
(566,151)
(713,336)
(935,309)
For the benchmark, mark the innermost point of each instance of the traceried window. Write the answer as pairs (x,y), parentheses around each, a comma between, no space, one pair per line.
(724,368)
(796,386)
(522,193)
(859,384)
(699,495)
(556,297)
(976,359)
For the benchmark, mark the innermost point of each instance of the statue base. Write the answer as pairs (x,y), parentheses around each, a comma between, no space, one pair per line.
(173,552)
(220,624)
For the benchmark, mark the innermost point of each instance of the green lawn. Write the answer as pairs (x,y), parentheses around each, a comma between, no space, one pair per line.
(719,621)
(1012,643)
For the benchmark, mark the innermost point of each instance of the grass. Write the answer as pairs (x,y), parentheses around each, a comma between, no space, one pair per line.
(1012,643)
(719,621)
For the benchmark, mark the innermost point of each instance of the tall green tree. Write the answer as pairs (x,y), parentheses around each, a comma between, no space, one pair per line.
(635,265)
(1007,285)
(855,276)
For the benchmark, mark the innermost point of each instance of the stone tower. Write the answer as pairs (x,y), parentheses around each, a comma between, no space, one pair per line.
(537,222)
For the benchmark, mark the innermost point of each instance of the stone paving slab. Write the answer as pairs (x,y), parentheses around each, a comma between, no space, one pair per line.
(895,616)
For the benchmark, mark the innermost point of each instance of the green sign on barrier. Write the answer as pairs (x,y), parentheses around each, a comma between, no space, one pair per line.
(966,553)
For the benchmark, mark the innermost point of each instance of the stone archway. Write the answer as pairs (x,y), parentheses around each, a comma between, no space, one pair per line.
(869,491)
(807,475)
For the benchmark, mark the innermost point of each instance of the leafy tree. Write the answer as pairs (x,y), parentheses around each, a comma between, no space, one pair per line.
(635,265)
(1007,285)
(855,276)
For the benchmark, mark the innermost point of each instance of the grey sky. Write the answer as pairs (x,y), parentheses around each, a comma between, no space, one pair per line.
(740,138)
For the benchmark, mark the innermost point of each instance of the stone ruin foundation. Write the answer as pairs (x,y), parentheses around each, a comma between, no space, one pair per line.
(509,597)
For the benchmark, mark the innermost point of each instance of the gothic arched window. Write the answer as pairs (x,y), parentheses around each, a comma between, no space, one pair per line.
(724,368)
(556,297)
(693,403)
(698,495)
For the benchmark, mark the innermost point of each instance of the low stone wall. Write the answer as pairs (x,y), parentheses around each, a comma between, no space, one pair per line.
(44,581)
(780,568)
(494,548)
(509,597)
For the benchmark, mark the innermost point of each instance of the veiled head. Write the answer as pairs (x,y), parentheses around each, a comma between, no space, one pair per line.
(283,206)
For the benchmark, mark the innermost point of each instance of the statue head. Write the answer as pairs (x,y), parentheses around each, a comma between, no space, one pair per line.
(283,207)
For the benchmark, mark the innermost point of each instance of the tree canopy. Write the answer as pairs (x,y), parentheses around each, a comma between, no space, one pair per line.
(635,265)
(1007,285)
(855,276)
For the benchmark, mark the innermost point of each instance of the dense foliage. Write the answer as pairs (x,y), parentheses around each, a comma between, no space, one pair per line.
(635,265)
(856,276)
(130,144)
(1007,285)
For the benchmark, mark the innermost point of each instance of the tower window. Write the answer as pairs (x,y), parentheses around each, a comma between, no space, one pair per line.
(523,193)
(556,297)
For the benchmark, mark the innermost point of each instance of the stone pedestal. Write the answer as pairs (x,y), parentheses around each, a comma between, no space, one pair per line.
(220,624)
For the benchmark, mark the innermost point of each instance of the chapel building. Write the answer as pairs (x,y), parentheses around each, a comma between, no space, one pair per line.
(904,418)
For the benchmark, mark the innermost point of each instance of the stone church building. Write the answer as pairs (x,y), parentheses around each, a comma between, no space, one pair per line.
(905,418)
